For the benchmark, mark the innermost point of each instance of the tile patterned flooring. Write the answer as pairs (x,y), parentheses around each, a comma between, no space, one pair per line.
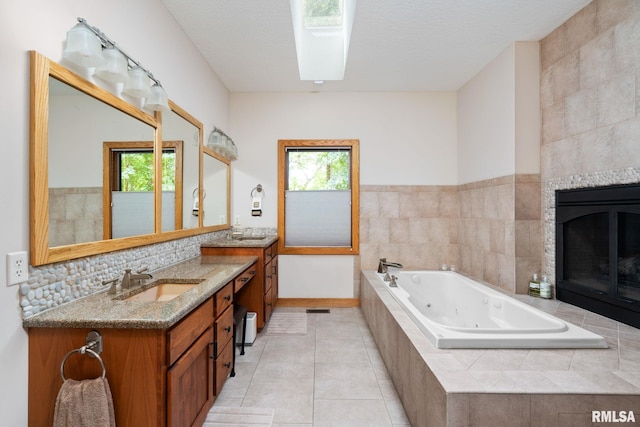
(331,376)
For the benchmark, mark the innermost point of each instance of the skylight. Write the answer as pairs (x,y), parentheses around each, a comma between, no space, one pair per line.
(322,30)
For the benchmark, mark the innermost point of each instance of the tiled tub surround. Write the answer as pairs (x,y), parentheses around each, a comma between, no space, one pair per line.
(499,230)
(590,100)
(490,229)
(515,387)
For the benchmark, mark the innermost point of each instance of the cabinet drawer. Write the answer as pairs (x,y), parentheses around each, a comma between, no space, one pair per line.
(223,299)
(223,366)
(182,335)
(224,329)
(244,278)
(268,254)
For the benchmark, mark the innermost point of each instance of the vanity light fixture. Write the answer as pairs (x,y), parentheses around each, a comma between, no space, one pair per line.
(114,69)
(219,142)
(87,46)
(138,85)
(83,47)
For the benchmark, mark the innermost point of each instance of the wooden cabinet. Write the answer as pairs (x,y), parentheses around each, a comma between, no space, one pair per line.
(190,377)
(158,377)
(190,387)
(259,295)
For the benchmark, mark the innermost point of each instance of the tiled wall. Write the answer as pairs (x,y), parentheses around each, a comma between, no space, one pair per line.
(413,225)
(75,215)
(490,230)
(499,230)
(590,100)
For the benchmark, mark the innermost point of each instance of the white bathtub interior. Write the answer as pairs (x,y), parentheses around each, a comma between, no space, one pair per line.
(454,311)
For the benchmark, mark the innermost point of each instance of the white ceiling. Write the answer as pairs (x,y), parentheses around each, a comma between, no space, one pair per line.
(396,45)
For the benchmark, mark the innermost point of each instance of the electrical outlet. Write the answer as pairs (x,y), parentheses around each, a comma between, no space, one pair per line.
(17,268)
(237,221)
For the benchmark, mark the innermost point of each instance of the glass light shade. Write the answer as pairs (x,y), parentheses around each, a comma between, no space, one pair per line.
(158,100)
(115,68)
(83,47)
(233,152)
(139,85)
(214,140)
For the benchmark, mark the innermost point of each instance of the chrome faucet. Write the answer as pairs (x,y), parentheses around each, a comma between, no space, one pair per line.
(129,279)
(393,283)
(383,265)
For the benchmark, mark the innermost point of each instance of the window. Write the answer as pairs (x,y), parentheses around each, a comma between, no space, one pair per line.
(318,196)
(128,188)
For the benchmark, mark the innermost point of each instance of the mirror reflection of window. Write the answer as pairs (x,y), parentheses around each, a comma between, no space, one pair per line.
(78,124)
(129,193)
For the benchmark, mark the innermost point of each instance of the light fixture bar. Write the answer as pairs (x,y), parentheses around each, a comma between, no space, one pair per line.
(107,42)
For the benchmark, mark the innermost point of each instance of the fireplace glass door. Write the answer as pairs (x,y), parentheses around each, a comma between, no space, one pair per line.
(598,250)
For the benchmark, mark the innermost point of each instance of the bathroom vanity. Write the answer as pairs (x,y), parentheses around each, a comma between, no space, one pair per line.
(262,297)
(165,361)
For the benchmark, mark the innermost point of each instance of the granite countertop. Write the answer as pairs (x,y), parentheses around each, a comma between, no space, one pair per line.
(243,242)
(103,310)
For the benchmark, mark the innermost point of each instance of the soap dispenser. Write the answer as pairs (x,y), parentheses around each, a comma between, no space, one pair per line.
(534,286)
(545,288)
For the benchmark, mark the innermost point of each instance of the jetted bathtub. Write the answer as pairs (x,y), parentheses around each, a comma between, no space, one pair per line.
(454,311)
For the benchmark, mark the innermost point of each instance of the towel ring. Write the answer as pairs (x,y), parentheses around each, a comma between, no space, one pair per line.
(82,351)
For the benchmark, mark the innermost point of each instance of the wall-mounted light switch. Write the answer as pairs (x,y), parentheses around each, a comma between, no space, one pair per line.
(17,268)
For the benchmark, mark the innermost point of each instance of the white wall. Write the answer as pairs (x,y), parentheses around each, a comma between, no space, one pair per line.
(499,117)
(138,27)
(405,139)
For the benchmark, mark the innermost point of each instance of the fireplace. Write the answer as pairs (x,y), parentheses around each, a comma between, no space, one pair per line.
(598,250)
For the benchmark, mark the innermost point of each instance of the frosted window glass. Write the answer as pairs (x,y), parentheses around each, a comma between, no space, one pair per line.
(318,218)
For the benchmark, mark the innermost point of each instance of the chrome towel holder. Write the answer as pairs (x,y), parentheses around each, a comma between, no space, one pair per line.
(93,346)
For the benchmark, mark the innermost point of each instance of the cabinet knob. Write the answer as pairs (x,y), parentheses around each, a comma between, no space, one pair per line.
(228,329)
(227,298)
(227,365)
(244,279)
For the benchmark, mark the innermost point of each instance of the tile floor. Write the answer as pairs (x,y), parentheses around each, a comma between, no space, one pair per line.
(332,376)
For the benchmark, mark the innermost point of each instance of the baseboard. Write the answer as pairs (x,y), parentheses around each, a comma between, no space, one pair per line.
(318,302)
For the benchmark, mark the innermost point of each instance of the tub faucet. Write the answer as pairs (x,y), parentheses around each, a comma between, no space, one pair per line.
(393,283)
(383,265)
(128,278)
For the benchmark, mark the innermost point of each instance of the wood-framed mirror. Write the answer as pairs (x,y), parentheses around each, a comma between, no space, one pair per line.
(72,120)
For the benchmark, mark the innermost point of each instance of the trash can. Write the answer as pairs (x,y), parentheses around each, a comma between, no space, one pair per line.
(252,329)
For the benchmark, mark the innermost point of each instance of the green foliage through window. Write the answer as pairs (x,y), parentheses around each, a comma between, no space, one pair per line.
(310,170)
(322,13)
(136,170)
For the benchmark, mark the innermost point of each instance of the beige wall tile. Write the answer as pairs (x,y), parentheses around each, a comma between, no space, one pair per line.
(566,76)
(553,47)
(581,27)
(597,60)
(553,127)
(616,99)
(580,112)
(528,200)
(610,13)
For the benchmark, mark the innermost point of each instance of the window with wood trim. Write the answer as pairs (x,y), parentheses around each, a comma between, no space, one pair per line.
(318,196)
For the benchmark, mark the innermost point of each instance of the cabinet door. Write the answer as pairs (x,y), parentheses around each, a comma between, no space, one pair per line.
(268,305)
(190,384)
(224,363)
